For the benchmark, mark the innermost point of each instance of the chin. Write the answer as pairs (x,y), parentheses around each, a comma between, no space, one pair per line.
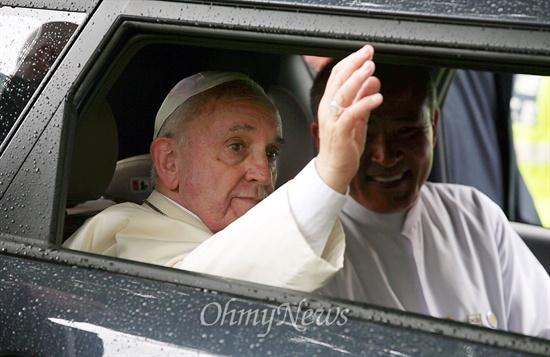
(388,210)
(391,205)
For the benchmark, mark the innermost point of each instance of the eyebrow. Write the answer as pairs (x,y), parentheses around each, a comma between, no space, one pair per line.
(247,127)
(413,118)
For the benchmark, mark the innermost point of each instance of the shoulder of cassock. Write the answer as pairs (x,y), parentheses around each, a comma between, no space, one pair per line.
(263,246)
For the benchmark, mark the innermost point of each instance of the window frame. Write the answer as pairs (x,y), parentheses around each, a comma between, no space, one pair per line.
(97,48)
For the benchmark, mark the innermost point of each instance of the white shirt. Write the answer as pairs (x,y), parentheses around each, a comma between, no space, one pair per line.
(452,255)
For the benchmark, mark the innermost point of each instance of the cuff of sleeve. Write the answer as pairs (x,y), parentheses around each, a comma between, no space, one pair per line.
(315,206)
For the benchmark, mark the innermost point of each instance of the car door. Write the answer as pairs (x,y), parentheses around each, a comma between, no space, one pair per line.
(93,109)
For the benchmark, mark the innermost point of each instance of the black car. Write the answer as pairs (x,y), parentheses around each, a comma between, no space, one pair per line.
(80,86)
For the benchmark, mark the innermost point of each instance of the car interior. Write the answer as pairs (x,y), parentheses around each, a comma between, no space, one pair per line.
(120,124)
(115,122)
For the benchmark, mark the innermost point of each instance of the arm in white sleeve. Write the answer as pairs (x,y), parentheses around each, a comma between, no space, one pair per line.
(315,206)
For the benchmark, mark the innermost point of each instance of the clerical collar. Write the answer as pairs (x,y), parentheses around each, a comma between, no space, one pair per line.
(364,217)
(182,208)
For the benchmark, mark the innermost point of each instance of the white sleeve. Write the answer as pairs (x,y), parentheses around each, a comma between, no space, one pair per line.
(527,283)
(315,206)
(266,246)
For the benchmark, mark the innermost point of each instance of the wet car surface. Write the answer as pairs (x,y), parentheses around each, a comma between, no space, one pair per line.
(56,301)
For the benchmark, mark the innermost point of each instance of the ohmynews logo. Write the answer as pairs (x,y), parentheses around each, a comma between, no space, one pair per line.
(213,313)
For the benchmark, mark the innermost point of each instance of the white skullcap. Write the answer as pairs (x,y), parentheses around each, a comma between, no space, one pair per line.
(191,86)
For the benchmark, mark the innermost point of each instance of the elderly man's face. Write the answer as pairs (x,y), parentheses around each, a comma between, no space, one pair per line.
(398,153)
(228,160)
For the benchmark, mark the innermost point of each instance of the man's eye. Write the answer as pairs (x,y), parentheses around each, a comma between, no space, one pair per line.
(236,147)
(272,153)
(407,130)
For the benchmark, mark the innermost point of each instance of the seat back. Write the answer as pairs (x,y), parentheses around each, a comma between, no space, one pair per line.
(93,162)
(94,155)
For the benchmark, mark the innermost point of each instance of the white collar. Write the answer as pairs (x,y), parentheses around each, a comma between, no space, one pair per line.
(181,207)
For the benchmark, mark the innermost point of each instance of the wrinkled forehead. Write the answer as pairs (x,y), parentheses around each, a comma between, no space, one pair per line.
(239,112)
(217,99)
(261,103)
(405,92)
(402,103)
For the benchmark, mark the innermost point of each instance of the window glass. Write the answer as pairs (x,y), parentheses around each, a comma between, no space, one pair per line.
(31,40)
(530,111)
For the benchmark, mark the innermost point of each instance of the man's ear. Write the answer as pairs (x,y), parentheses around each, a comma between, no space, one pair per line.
(164,154)
(314,127)
(435,124)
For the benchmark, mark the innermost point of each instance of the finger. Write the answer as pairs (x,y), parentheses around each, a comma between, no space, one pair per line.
(366,52)
(346,67)
(352,123)
(347,93)
(359,112)
(366,105)
(356,124)
(371,86)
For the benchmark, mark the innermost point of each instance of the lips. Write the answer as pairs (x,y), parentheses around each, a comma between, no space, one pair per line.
(249,201)
(387,180)
(249,198)
(243,204)
(255,200)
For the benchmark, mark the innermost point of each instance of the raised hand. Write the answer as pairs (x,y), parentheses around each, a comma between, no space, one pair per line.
(350,95)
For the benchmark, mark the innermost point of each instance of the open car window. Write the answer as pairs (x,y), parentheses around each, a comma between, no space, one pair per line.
(118,122)
(530,113)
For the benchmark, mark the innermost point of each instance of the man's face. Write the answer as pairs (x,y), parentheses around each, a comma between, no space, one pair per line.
(227,161)
(398,153)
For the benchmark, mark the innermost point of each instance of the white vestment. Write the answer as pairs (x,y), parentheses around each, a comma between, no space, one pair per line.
(266,245)
(452,255)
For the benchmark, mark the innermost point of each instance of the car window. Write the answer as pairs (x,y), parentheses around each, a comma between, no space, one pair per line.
(31,40)
(530,113)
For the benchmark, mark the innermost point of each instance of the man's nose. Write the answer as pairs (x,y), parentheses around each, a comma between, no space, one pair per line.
(260,170)
(383,151)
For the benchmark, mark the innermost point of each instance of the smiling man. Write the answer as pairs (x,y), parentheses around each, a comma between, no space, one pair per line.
(399,150)
(216,142)
(437,249)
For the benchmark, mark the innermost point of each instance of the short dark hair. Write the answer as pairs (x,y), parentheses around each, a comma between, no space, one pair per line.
(384,72)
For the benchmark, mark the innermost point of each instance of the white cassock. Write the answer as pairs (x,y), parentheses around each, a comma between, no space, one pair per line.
(452,255)
(292,239)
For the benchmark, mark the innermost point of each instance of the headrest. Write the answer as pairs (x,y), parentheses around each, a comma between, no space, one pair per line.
(94,154)
(299,147)
(43,45)
(132,180)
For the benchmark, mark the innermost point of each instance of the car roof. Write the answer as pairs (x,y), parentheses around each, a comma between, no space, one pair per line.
(464,33)
(511,12)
